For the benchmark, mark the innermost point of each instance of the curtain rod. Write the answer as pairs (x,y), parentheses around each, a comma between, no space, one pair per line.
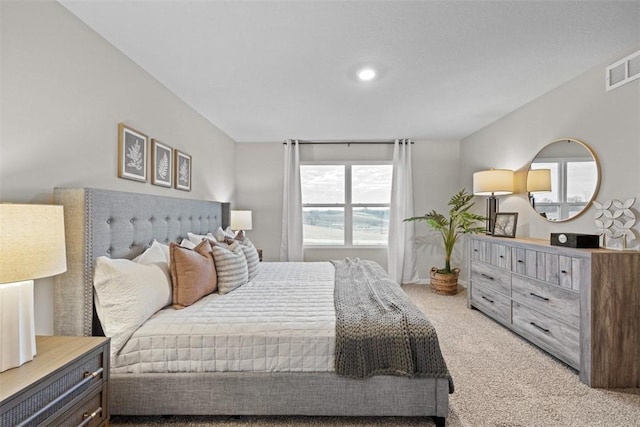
(336,142)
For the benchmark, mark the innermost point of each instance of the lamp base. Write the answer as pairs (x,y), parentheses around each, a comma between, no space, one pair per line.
(492,208)
(17,325)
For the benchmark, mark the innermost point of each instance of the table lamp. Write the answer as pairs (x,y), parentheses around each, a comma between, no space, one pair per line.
(241,221)
(538,180)
(32,246)
(492,183)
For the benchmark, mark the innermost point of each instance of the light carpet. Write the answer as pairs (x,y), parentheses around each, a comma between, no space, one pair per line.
(501,381)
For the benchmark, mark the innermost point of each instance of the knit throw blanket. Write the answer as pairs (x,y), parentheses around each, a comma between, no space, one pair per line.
(379,331)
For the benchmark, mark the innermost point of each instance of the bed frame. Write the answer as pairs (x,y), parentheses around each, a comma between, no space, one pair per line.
(122,225)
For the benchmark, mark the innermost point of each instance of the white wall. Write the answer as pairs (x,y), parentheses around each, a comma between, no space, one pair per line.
(64,90)
(259,188)
(609,122)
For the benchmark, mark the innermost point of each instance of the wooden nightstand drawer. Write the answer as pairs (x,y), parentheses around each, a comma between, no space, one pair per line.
(90,412)
(66,373)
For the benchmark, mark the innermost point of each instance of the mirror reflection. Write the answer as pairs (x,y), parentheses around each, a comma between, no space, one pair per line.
(563,179)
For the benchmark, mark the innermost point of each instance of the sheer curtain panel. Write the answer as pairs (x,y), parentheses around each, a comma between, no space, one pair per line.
(401,249)
(291,247)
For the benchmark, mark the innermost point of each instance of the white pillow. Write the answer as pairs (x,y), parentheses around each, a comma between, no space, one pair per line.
(156,253)
(228,233)
(127,294)
(231,266)
(219,234)
(187,244)
(196,238)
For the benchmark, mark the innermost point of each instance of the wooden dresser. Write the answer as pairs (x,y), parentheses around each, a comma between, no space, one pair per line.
(66,384)
(580,305)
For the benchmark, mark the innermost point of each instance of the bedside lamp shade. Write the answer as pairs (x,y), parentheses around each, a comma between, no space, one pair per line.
(492,183)
(241,220)
(32,246)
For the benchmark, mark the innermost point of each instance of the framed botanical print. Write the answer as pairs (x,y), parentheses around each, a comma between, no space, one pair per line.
(161,164)
(132,153)
(183,171)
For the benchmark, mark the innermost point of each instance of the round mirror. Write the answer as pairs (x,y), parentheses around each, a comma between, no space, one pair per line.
(563,179)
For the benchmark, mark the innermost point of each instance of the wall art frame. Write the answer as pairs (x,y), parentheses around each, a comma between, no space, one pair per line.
(132,153)
(505,224)
(183,169)
(161,164)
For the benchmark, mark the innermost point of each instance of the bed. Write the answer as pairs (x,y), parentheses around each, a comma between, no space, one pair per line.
(122,225)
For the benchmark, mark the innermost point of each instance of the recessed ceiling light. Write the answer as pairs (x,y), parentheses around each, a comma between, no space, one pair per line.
(366,74)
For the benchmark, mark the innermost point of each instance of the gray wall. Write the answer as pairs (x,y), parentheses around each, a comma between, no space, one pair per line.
(64,91)
(259,188)
(609,122)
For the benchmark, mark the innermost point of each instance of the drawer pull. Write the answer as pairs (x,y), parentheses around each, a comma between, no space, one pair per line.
(563,271)
(501,256)
(487,276)
(88,377)
(90,417)
(521,261)
(546,331)
(538,296)
(475,250)
(490,300)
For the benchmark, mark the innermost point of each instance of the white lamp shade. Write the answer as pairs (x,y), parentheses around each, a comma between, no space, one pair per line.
(496,182)
(241,220)
(539,180)
(31,242)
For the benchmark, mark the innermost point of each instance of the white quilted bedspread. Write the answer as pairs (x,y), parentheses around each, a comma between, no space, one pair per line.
(283,320)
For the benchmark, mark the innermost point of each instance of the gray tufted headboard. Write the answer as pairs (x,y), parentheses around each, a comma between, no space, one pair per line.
(118,225)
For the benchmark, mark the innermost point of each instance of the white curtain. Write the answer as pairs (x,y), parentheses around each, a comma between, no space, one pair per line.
(402,264)
(291,248)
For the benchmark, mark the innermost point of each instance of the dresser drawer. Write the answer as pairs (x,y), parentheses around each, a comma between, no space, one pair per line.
(554,336)
(489,301)
(501,255)
(491,276)
(548,299)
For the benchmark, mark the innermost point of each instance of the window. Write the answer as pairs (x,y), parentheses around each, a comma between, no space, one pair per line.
(345,204)
(564,201)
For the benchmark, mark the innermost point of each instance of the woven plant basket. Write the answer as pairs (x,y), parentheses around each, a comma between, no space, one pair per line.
(444,284)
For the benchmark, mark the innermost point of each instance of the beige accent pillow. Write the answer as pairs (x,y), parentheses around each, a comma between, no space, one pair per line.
(231,266)
(193,273)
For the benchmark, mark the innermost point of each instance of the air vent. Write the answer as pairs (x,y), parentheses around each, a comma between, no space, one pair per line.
(623,71)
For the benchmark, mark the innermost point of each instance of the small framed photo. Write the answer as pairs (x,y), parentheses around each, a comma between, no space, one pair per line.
(161,164)
(183,171)
(132,154)
(505,225)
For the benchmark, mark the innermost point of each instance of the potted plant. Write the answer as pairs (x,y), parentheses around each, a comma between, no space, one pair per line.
(444,281)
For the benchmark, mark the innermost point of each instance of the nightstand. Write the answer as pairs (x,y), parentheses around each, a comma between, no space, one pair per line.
(67,383)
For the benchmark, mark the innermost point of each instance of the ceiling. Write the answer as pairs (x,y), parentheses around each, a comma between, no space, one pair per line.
(272,70)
